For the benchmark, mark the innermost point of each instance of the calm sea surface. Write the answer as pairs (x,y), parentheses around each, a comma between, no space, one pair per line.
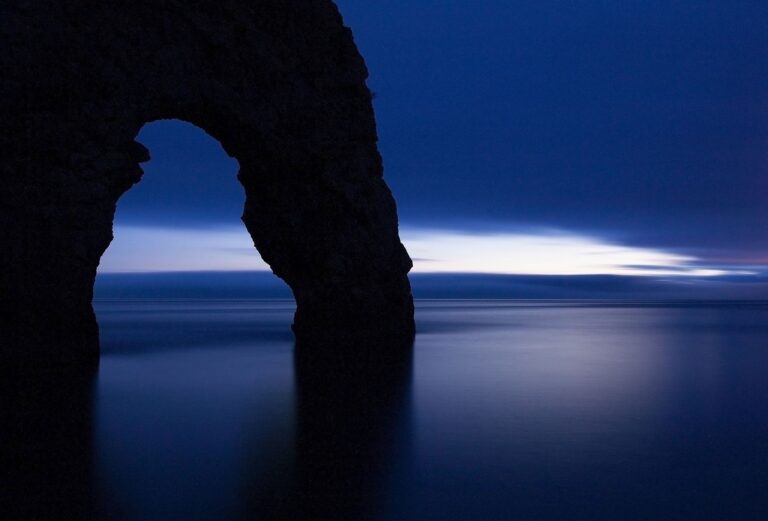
(506,410)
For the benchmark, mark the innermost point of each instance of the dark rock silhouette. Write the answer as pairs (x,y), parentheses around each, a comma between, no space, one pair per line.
(279,83)
(47,455)
(352,430)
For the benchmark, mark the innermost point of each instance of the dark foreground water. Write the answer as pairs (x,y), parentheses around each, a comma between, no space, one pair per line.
(506,410)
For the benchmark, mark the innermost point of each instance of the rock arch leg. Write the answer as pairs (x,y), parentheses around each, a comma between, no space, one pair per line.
(335,242)
(55,223)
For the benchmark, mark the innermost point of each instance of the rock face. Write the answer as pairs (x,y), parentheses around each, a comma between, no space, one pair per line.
(278,82)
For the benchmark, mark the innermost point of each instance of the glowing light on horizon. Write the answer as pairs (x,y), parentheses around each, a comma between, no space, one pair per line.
(557,253)
(139,249)
(147,249)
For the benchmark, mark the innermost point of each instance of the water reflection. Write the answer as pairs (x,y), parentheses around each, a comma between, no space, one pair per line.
(218,425)
(352,420)
(46,443)
(505,411)
(326,452)
(585,412)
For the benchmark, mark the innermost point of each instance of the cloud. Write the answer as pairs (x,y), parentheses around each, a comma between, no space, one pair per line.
(548,252)
(551,253)
(139,249)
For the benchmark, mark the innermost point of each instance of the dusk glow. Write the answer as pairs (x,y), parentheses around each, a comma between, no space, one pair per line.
(546,254)
(146,249)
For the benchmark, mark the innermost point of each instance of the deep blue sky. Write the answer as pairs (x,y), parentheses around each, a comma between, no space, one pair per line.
(638,123)
(647,121)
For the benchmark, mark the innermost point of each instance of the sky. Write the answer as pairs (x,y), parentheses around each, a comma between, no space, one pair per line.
(545,138)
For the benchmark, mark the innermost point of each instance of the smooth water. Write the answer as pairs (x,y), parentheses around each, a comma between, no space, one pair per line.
(506,410)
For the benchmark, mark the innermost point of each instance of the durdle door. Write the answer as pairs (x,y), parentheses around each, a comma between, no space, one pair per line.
(279,83)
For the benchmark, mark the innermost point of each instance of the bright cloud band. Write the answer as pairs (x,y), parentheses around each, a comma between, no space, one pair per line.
(145,249)
(541,254)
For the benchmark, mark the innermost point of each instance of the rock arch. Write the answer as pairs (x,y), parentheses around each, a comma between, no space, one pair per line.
(279,83)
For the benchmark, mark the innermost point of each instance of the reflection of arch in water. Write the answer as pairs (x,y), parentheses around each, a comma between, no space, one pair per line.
(46,468)
(280,85)
(352,440)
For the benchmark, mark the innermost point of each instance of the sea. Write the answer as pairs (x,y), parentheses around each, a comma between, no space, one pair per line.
(201,409)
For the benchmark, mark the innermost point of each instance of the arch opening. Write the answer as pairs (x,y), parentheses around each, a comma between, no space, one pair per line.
(178,232)
(187,196)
